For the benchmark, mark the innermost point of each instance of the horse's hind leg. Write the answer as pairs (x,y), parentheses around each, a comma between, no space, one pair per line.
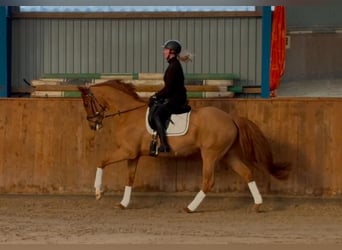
(132,167)
(241,169)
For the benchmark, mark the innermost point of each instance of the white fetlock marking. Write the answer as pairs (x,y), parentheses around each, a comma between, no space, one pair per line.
(127,196)
(255,192)
(98,181)
(197,201)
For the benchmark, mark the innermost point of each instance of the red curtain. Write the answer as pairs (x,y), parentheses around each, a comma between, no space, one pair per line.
(278,48)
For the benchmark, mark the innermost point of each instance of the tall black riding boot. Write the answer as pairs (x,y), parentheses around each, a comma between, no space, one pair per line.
(164,145)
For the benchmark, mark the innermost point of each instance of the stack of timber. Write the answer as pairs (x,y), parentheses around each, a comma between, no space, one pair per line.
(198,85)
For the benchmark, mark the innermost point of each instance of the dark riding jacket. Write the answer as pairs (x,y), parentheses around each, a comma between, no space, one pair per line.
(174,88)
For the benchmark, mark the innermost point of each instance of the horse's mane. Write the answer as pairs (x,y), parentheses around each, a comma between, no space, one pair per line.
(127,88)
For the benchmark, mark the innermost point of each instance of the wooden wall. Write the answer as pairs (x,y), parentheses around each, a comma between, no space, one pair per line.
(46,146)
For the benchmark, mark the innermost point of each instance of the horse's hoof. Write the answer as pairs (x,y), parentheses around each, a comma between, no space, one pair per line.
(187,210)
(120,206)
(255,208)
(99,195)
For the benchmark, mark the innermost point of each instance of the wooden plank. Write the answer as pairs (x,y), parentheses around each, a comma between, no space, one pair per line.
(191,88)
(223,94)
(70,94)
(150,76)
(47,82)
(155,88)
(47,94)
(73,76)
(211,76)
(128,79)
(55,88)
(218,82)
(139,88)
(251,90)
(117,77)
(141,76)
(145,82)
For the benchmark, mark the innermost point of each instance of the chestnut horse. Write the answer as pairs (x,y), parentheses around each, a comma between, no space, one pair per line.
(215,134)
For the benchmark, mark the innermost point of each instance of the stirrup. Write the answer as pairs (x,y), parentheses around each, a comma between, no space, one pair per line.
(153,146)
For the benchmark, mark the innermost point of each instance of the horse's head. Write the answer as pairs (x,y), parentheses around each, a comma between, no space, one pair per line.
(94,109)
(112,96)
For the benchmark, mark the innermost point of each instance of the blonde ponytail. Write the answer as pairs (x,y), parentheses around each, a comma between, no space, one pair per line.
(185,56)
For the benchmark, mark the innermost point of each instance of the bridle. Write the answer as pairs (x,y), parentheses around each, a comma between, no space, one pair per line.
(98,111)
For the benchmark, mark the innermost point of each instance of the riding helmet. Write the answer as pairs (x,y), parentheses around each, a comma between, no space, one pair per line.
(173,45)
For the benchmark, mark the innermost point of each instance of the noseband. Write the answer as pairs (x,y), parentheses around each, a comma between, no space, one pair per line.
(98,111)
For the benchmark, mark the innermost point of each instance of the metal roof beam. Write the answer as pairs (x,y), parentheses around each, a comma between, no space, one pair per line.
(161,2)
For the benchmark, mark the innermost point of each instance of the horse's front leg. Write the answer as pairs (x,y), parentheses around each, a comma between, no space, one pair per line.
(209,162)
(119,155)
(132,167)
(98,183)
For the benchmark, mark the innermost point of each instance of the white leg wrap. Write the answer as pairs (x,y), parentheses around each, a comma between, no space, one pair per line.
(127,196)
(255,192)
(98,179)
(197,201)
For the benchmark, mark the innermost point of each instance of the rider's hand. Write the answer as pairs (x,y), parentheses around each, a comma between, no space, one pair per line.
(153,99)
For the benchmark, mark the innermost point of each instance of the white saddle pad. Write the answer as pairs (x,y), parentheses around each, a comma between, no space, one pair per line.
(178,125)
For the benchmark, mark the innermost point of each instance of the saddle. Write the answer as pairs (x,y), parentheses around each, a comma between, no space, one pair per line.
(176,123)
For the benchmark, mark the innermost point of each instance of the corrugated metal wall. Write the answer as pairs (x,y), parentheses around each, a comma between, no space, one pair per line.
(315,17)
(220,45)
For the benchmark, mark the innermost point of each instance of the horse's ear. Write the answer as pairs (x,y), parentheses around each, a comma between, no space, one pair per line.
(83,90)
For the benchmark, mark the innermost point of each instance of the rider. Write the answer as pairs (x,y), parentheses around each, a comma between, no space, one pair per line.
(173,95)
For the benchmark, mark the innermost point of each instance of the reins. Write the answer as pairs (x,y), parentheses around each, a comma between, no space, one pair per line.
(96,113)
(125,111)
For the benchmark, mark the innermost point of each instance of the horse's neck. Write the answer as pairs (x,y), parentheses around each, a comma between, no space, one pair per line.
(123,102)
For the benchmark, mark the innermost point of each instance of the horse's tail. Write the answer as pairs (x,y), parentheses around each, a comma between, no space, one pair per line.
(257,150)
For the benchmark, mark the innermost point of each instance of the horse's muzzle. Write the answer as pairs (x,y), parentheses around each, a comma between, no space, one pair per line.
(96,126)
(95,121)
